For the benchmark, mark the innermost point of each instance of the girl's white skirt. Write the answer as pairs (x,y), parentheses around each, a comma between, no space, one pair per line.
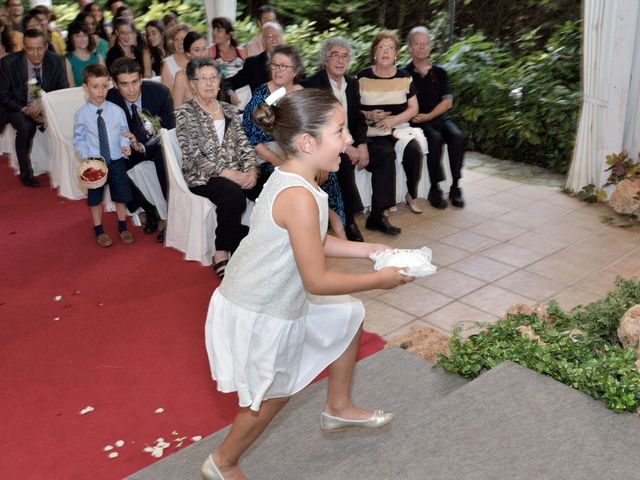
(262,357)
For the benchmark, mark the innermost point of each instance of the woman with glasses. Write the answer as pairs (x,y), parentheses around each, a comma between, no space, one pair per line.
(195,46)
(286,71)
(218,161)
(388,100)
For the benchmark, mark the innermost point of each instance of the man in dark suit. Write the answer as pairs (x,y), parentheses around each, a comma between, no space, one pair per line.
(335,55)
(135,96)
(254,71)
(23,76)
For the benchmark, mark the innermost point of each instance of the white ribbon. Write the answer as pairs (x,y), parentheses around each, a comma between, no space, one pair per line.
(275,96)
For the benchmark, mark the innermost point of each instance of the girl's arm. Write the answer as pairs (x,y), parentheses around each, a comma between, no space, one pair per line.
(179,88)
(337,247)
(296,210)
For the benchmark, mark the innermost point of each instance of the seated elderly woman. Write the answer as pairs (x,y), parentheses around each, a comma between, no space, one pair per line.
(286,70)
(388,100)
(218,161)
(195,46)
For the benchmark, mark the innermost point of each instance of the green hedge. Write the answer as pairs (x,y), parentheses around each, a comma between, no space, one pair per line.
(579,349)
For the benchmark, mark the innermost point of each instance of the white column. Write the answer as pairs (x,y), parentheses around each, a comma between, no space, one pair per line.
(219,8)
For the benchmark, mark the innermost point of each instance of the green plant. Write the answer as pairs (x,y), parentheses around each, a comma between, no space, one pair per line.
(621,168)
(579,348)
(523,108)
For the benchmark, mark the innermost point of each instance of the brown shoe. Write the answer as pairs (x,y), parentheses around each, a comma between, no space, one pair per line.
(127,237)
(104,240)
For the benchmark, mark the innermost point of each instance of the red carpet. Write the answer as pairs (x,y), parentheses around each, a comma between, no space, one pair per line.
(129,340)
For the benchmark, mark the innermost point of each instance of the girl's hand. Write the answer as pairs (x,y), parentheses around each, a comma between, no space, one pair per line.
(390,277)
(375,247)
(386,123)
(126,151)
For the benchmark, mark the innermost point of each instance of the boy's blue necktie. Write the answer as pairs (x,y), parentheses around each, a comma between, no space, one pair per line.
(103,138)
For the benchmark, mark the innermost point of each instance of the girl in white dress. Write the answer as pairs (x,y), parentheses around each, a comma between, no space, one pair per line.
(280,317)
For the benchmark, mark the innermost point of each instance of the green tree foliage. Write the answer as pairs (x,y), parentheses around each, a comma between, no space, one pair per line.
(519,107)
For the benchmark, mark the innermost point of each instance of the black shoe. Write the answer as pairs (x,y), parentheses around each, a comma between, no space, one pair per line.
(29,181)
(455,195)
(160,237)
(436,199)
(151,224)
(353,232)
(381,225)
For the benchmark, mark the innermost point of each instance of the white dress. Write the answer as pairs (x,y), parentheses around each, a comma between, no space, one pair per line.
(266,337)
(170,63)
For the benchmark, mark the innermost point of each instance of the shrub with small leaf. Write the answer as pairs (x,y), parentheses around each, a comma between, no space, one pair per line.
(579,348)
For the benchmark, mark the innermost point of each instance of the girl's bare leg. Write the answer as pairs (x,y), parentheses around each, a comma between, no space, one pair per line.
(339,387)
(246,428)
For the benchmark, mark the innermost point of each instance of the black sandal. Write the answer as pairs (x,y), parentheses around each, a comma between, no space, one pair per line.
(220,267)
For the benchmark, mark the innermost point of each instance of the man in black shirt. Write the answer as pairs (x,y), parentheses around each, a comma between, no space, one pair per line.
(435,100)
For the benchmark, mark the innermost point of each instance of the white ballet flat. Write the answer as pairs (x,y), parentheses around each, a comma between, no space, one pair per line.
(210,470)
(329,423)
(412,204)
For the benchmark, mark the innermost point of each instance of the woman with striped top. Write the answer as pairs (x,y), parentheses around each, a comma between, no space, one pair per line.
(388,101)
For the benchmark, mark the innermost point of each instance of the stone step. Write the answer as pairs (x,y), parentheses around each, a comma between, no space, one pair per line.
(510,423)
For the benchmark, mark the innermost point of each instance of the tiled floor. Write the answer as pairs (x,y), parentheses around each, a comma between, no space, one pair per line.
(515,242)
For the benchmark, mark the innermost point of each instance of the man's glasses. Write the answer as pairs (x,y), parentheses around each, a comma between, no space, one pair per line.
(339,56)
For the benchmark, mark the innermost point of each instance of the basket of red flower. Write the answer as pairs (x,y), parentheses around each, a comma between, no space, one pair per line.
(92,172)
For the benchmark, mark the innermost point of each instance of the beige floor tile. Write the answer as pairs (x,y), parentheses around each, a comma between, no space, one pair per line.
(415,325)
(537,192)
(539,242)
(497,183)
(600,283)
(477,192)
(545,209)
(485,209)
(458,218)
(620,240)
(566,200)
(410,239)
(530,285)
(523,219)
(383,319)
(596,257)
(432,229)
(513,255)
(495,300)
(499,230)
(444,255)
(564,232)
(571,297)
(414,299)
(508,199)
(471,176)
(450,283)
(483,268)
(557,268)
(470,241)
(627,267)
(458,314)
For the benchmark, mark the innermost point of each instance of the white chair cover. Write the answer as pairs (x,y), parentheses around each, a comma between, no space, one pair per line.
(60,107)
(244,95)
(191,222)
(40,159)
(363,180)
(145,177)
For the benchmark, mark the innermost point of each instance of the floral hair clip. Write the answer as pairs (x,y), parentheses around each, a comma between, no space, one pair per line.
(275,96)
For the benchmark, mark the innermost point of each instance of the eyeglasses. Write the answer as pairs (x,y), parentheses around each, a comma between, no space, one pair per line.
(386,48)
(339,56)
(420,45)
(203,79)
(280,66)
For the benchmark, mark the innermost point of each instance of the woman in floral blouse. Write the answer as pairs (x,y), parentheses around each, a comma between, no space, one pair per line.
(218,161)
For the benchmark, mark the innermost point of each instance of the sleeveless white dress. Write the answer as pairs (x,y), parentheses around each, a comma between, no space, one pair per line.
(266,337)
